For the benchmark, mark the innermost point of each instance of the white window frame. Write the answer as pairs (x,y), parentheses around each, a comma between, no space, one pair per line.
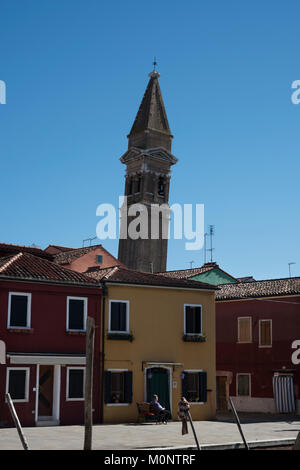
(184,319)
(238,330)
(67,384)
(118,371)
(127,316)
(237,384)
(259,331)
(28,319)
(85,299)
(27,376)
(195,371)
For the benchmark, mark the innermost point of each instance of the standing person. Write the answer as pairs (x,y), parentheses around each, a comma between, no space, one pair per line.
(183,408)
(160,410)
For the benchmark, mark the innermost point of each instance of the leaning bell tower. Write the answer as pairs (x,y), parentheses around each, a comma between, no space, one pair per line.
(147,181)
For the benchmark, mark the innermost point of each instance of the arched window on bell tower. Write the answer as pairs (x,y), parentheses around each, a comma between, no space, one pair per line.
(138,184)
(161,187)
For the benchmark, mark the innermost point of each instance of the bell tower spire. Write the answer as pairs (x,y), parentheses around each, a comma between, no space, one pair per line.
(151,127)
(148,161)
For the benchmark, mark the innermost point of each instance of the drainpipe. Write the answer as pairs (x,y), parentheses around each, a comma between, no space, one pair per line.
(104,294)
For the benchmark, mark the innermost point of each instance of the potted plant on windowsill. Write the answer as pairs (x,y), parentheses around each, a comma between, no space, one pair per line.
(194,338)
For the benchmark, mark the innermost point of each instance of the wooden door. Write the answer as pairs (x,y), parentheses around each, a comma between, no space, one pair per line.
(158,384)
(221,393)
(46,390)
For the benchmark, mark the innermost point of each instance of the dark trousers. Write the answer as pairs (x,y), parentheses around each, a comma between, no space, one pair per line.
(164,415)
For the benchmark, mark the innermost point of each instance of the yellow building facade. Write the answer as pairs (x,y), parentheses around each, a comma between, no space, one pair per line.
(159,338)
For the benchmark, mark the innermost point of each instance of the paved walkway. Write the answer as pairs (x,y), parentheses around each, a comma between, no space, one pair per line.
(152,436)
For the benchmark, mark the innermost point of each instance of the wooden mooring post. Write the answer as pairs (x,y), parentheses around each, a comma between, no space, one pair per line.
(88,400)
(238,423)
(16,421)
(296,446)
(193,429)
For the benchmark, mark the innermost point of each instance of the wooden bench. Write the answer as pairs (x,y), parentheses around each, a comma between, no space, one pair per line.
(145,410)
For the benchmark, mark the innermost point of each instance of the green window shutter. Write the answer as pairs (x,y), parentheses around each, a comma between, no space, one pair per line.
(128,386)
(202,386)
(184,385)
(107,387)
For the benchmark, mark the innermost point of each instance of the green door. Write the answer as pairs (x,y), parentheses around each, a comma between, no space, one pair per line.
(158,384)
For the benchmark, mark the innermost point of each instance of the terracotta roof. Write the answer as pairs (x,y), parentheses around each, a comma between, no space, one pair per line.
(9,248)
(67,257)
(188,273)
(120,274)
(54,249)
(246,279)
(26,266)
(265,288)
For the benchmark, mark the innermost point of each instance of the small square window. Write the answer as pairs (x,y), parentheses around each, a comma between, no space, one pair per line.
(17,384)
(99,259)
(76,313)
(193,319)
(194,386)
(19,310)
(243,385)
(265,333)
(118,387)
(119,316)
(244,329)
(75,383)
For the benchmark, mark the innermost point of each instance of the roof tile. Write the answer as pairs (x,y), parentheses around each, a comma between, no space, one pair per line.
(264,288)
(26,266)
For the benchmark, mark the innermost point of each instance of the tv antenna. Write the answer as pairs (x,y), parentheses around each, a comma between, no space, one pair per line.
(205,249)
(191,264)
(290,268)
(88,240)
(211,234)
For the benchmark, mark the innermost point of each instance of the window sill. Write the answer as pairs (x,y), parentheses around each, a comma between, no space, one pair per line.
(76,333)
(197,338)
(74,399)
(117,404)
(27,331)
(120,336)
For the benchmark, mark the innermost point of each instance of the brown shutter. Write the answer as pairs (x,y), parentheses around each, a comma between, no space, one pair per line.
(265,333)
(244,330)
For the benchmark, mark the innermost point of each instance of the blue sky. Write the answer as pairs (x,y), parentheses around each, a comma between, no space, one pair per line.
(76,71)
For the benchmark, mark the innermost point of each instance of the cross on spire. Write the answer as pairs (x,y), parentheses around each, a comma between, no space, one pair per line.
(154,64)
(154,72)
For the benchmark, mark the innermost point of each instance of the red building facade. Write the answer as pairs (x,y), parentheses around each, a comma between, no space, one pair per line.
(258,345)
(42,324)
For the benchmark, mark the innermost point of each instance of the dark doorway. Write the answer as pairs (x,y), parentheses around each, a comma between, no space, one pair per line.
(158,384)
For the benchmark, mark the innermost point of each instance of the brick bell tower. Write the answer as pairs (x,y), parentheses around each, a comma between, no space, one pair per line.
(147,181)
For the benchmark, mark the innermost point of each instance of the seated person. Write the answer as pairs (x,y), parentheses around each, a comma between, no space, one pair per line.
(164,414)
